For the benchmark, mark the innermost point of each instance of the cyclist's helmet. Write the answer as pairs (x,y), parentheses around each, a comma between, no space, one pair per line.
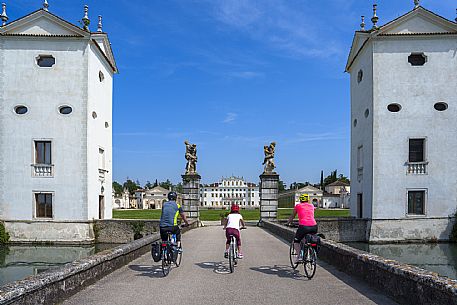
(172,196)
(235,208)
(304,198)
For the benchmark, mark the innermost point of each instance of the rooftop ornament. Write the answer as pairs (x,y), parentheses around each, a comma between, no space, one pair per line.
(100,25)
(3,16)
(86,20)
(362,25)
(45,5)
(416,3)
(375,17)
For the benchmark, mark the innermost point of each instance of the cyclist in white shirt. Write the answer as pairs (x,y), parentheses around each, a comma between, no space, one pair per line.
(232,227)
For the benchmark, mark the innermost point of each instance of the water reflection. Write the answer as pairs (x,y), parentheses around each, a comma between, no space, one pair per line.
(439,258)
(19,262)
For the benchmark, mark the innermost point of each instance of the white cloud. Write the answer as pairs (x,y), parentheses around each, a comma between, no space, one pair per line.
(295,29)
(230,117)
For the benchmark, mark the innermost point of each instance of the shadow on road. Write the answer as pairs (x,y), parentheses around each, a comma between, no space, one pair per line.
(147,270)
(280,271)
(217,267)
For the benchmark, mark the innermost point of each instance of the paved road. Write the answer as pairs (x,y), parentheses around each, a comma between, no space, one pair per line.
(262,277)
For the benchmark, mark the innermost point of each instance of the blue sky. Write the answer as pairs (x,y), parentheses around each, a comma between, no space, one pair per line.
(230,76)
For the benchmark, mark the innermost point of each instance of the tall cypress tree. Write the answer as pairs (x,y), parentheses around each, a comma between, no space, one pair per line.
(322,180)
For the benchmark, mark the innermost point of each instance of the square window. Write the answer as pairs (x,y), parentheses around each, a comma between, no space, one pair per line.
(43,205)
(43,152)
(416,202)
(416,150)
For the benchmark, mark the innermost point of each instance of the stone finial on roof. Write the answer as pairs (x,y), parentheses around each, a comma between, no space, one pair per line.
(416,3)
(45,5)
(3,16)
(100,24)
(375,18)
(362,25)
(86,20)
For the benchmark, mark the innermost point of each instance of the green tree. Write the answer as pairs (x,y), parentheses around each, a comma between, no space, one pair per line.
(330,178)
(343,178)
(118,189)
(297,185)
(148,185)
(131,186)
(166,185)
(178,187)
(281,186)
(156,183)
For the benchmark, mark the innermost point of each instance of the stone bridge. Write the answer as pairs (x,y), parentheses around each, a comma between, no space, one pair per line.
(262,277)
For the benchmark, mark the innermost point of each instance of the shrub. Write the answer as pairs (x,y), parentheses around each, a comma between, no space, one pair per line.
(4,236)
(453,236)
(137,227)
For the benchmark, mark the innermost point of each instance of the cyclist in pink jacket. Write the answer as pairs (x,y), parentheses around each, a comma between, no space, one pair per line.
(306,222)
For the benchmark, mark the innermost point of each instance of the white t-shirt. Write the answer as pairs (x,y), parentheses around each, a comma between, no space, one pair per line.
(233,220)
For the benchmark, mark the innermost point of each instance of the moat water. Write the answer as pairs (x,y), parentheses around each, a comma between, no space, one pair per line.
(439,258)
(19,262)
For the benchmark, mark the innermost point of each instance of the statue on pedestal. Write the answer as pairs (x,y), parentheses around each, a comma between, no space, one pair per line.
(191,157)
(269,161)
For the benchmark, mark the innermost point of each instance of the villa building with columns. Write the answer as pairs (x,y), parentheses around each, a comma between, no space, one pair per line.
(403,84)
(56,85)
(228,191)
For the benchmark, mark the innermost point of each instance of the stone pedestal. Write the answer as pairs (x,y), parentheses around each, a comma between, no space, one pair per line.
(191,195)
(269,192)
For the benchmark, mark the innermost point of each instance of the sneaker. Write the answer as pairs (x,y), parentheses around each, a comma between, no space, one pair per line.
(225,254)
(240,255)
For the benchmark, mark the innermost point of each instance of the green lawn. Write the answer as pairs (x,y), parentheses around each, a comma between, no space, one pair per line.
(209,215)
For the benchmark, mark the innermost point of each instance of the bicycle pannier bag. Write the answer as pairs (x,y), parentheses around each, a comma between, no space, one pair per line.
(156,252)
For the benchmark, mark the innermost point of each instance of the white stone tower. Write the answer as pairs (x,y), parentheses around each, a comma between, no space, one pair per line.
(403,126)
(55,127)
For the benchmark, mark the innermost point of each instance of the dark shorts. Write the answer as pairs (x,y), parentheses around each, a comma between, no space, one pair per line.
(234,232)
(302,231)
(173,230)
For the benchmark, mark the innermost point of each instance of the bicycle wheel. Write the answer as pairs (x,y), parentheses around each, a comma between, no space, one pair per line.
(179,256)
(310,262)
(293,255)
(166,264)
(232,257)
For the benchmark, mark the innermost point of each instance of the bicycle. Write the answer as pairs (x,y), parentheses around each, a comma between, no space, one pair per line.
(307,256)
(171,253)
(233,253)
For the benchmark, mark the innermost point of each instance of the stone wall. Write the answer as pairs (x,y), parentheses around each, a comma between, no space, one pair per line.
(404,283)
(117,231)
(407,230)
(121,230)
(55,285)
(342,229)
(57,232)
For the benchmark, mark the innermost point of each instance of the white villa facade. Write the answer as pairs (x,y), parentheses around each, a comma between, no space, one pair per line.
(403,126)
(56,86)
(228,191)
(152,198)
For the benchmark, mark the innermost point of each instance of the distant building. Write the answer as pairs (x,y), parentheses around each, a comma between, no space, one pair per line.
(403,111)
(228,191)
(56,87)
(151,198)
(124,201)
(338,187)
(289,198)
